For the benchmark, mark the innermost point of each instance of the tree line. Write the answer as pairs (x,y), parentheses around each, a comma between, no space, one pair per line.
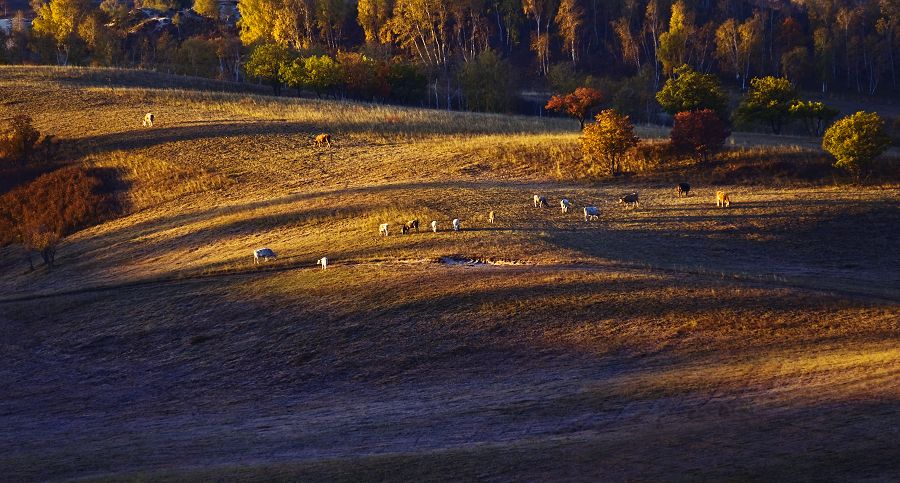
(431,50)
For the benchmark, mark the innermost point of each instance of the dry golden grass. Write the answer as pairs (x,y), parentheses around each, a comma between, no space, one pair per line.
(675,340)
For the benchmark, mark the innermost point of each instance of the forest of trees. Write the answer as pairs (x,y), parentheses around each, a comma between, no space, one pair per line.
(440,51)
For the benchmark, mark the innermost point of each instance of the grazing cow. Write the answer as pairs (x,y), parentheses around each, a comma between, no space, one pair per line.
(491,217)
(722,199)
(631,199)
(323,140)
(323,261)
(263,253)
(434,226)
(404,229)
(456,224)
(412,225)
(682,189)
(591,213)
(564,205)
(383,229)
(540,201)
(148,120)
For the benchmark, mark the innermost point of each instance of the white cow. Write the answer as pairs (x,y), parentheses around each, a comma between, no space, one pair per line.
(539,201)
(323,261)
(564,205)
(264,254)
(434,226)
(383,229)
(591,213)
(456,224)
(148,120)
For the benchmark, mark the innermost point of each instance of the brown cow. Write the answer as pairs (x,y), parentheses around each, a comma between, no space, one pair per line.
(722,199)
(323,139)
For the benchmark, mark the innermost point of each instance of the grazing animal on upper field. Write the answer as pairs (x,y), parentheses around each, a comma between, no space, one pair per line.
(434,226)
(323,140)
(631,199)
(722,199)
(682,189)
(148,120)
(413,225)
(383,229)
(540,201)
(564,205)
(404,229)
(591,213)
(456,224)
(263,253)
(491,217)
(323,261)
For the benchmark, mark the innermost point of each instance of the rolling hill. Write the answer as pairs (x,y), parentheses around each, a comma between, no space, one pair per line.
(671,341)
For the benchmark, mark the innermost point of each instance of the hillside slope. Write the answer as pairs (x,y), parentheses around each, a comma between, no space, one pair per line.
(671,341)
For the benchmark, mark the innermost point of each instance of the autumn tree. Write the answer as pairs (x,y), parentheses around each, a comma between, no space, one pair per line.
(735,45)
(608,139)
(372,16)
(58,20)
(673,44)
(578,104)
(768,101)
(689,90)
(541,13)
(855,141)
(814,115)
(330,18)
(702,132)
(207,8)
(569,21)
(18,141)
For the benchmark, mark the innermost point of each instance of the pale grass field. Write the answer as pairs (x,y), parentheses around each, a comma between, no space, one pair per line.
(672,341)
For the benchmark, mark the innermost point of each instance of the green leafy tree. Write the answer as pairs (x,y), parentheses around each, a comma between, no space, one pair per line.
(702,132)
(321,74)
(855,141)
(814,115)
(689,90)
(578,104)
(768,101)
(293,74)
(267,62)
(608,140)
(488,83)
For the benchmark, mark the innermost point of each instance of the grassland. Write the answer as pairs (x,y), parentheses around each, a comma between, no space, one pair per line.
(673,341)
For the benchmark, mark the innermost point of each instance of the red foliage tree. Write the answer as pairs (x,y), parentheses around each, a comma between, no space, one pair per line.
(578,104)
(701,132)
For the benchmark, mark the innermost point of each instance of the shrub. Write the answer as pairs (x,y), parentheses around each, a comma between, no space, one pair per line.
(855,141)
(701,132)
(609,139)
(577,104)
(53,206)
(18,141)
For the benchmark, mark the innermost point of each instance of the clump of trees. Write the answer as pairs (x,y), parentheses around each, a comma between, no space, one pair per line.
(608,140)
(855,141)
(689,90)
(768,101)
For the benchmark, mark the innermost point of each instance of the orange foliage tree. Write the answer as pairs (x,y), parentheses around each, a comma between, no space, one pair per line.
(578,104)
(609,139)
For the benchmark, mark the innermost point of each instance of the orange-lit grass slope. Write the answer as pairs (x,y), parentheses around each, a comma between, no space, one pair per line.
(672,340)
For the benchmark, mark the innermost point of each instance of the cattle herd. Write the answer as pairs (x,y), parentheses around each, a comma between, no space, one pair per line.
(591,213)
